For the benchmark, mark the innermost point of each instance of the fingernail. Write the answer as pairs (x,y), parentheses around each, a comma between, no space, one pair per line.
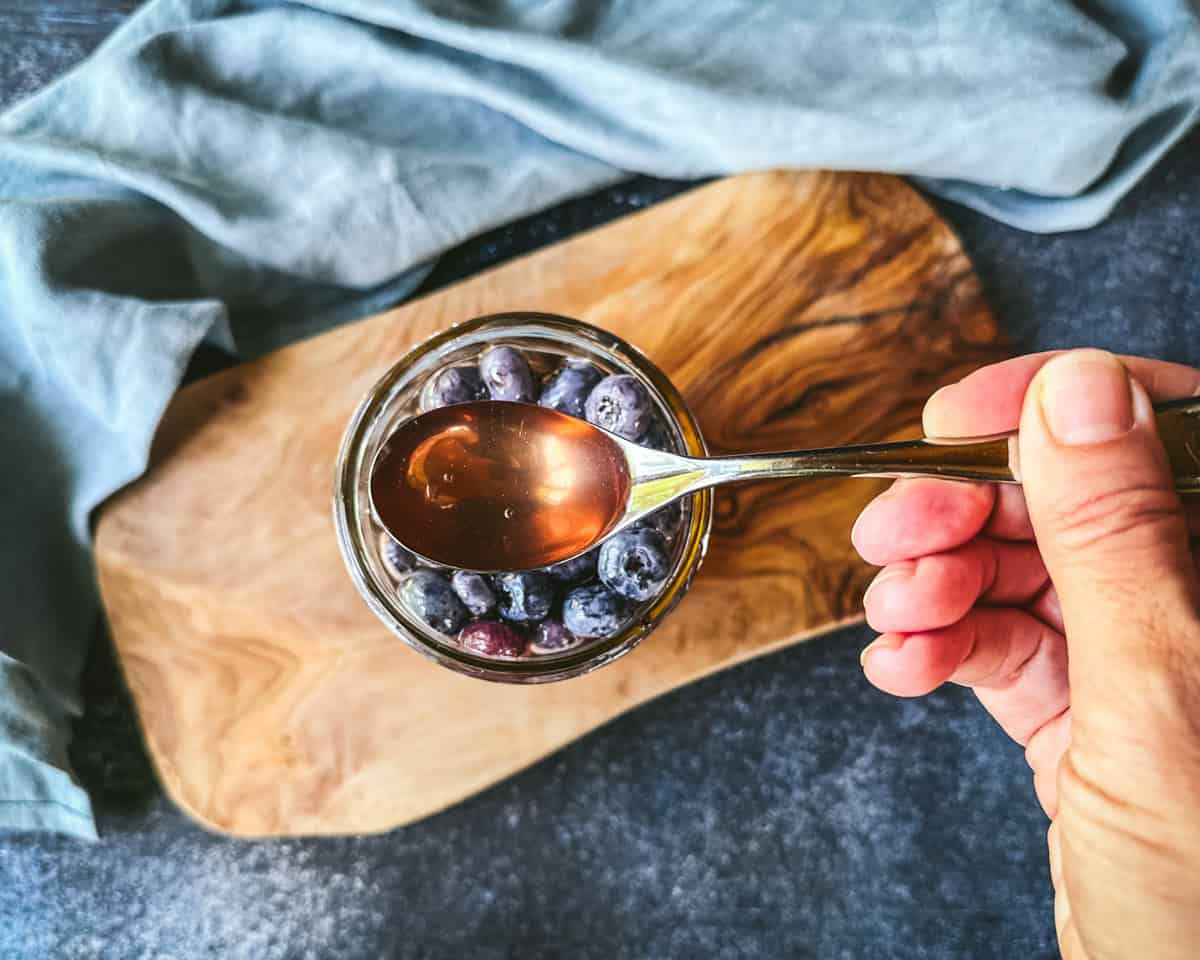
(931,422)
(887,573)
(1086,398)
(866,510)
(885,642)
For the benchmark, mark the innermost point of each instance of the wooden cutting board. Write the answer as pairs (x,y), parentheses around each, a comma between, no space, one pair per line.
(791,309)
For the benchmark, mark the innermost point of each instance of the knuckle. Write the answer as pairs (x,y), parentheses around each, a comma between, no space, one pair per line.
(1118,517)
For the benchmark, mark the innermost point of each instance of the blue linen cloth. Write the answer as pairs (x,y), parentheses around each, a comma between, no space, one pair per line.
(252,171)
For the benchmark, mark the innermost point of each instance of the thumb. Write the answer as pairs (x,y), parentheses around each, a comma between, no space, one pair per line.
(1111,530)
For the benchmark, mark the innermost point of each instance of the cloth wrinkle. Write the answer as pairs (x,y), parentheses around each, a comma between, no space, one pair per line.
(248,172)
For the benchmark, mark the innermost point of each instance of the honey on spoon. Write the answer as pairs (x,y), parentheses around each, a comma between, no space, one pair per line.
(500,486)
(495,485)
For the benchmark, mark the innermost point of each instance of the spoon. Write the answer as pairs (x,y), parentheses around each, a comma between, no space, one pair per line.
(500,486)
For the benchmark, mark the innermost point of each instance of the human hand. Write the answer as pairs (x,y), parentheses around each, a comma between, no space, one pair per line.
(1071,606)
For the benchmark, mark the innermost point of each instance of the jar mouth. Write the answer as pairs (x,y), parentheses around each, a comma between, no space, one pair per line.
(370,422)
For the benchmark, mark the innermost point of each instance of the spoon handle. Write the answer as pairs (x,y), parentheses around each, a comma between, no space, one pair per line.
(992,459)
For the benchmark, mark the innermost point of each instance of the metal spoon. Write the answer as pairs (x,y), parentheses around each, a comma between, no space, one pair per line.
(498,486)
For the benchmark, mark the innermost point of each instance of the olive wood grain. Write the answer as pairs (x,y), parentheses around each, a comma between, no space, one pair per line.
(792,309)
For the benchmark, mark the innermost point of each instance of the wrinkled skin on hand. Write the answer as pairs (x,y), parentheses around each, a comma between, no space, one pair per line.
(1071,606)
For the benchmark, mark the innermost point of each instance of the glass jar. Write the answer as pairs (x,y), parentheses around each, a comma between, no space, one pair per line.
(546,340)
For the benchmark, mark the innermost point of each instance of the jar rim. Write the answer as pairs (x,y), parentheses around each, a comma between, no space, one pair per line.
(347,503)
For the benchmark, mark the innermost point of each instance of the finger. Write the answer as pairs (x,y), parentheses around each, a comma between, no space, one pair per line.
(1015,522)
(921,516)
(938,590)
(1110,527)
(1043,753)
(913,665)
(1018,668)
(1047,609)
(1017,665)
(1010,515)
(989,400)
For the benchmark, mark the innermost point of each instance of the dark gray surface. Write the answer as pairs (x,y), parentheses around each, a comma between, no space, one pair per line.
(39,39)
(782,809)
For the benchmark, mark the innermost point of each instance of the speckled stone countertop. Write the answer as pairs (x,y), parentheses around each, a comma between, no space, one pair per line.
(782,809)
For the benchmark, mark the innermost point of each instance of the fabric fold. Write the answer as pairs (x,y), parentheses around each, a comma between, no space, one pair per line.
(252,171)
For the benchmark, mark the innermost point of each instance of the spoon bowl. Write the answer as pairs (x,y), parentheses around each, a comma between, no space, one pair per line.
(499,486)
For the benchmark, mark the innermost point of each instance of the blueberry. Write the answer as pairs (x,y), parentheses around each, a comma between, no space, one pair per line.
(430,598)
(594,611)
(506,374)
(492,639)
(396,559)
(567,389)
(620,405)
(582,567)
(657,437)
(634,563)
(475,592)
(666,520)
(452,385)
(552,637)
(525,597)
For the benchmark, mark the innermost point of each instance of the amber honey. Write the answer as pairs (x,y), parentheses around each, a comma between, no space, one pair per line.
(498,486)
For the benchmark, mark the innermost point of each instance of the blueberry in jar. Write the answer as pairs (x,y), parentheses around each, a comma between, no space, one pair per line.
(582,567)
(634,563)
(567,389)
(452,385)
(657,438)
(620,405)
(550,636)
(506,375)
(549,611)
(474,591)
(666,520)
(397,560)
(431,599)
(492,639)
(594,611)
(525,597)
